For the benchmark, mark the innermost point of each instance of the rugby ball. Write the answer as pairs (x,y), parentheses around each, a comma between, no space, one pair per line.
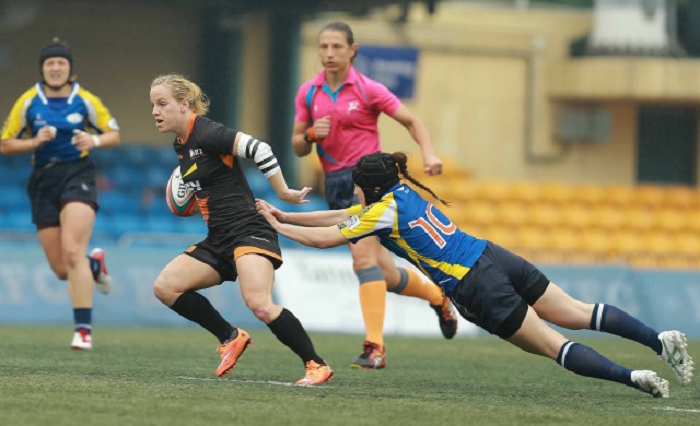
(179,196)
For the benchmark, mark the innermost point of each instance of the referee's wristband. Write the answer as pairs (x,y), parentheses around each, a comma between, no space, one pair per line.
(310,135)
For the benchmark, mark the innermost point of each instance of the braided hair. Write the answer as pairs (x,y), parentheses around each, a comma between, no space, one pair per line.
(402,163)
(376,173)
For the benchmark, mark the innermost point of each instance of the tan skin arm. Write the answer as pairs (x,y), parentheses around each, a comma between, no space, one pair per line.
(84,141)
(318,218)
(432,165)
(299,145)
(318,237)
(278,183)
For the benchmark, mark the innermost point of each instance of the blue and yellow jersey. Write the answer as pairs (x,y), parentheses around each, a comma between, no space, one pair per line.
(419,232)
(81,110)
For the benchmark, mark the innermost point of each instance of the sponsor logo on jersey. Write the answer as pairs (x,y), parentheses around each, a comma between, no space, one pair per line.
(351,223)
(75,118)
(194,153)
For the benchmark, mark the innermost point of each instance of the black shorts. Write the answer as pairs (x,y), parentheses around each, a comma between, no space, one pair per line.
(496,292)
(340,189)
(222,255)
(54,185)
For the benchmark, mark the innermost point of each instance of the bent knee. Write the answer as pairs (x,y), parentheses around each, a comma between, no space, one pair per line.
(261,309)
(71,258)
(165,288)
(61,274)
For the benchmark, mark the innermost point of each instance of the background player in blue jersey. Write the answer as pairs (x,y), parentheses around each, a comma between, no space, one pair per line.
(59,123)
(490,286)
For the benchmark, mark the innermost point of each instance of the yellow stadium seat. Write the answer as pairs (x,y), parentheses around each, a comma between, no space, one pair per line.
(591,195)
(659,243)
(495,191)
(688,244)
(626,244)
(693,220)
(476,213)
(639,219)
(598,243)
(547,216)
(682,197)
(650,196)
(558,193)
(514,214)
(619,195)
(609,217)
(671,220)
(526,192)
(531,238)
(579,216)
(565,240)
(501,235)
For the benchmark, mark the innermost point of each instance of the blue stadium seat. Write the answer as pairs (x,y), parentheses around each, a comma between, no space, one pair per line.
(128,223)
(20,220)
(116,202)
(16,198)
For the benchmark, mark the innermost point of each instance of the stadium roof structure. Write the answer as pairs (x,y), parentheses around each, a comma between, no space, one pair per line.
(358,7)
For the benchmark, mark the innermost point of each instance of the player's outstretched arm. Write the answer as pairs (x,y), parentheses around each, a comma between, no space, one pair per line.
(318,237)
(284,193)
(318,218)
(246,146)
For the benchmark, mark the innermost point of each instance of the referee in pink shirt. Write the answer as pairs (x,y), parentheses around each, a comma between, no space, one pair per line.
(338,112)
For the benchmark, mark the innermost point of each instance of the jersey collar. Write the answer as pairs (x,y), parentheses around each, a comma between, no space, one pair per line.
(190,127)
(320,78)
(44,99)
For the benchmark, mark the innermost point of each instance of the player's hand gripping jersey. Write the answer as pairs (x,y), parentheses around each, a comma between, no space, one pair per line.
(81,110)
(417,231)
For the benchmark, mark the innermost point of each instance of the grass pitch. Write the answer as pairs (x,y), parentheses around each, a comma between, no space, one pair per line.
(166,377)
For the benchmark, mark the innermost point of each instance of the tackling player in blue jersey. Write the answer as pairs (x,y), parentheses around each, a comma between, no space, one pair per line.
(490,286)
(59,123)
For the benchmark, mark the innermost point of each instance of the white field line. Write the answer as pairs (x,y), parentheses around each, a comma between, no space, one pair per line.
(259,382)
(677,409)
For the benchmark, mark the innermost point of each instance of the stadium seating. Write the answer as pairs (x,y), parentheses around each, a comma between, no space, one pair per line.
(645,225)
(131,181)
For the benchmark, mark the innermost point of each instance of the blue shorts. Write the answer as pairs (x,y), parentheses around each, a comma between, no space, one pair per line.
(496,292)
(340,189)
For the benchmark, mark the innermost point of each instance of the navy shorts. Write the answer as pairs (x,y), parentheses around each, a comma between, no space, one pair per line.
(340,189)
(496,292)
(52,186)
(221,255)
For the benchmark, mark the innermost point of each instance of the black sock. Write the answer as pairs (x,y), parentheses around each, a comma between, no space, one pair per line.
(609,319)
(289,331)
(196,308)
(584,361)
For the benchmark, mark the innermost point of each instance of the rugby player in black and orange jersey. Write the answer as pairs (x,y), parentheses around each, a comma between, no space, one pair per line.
(240,243)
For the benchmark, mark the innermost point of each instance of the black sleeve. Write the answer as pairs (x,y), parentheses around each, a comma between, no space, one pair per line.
(217,138)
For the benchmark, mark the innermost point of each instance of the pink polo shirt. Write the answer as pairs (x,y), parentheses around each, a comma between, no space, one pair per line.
(354,110)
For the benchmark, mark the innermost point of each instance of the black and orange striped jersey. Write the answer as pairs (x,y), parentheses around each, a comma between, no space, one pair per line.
(209,168)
